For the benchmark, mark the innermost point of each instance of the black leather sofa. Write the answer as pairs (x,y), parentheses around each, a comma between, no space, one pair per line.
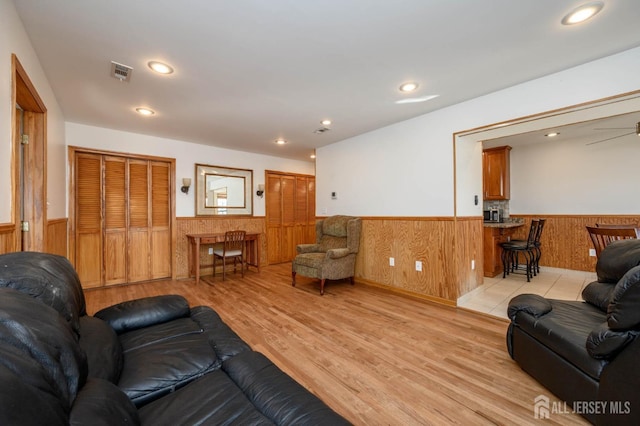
(587,353)
(152,361)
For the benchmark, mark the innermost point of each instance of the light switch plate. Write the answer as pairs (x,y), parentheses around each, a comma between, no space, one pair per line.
(418,266)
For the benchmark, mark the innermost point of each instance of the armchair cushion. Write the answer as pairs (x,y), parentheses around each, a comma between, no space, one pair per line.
(311,260)
(337,253)
(307,248)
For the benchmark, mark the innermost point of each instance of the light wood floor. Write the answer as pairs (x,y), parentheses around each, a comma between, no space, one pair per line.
(376,357)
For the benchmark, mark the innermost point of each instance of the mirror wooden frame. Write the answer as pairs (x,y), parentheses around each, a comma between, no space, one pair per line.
(234,180)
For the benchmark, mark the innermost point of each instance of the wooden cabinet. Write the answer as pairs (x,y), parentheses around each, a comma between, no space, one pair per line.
(492,238)
(495,173)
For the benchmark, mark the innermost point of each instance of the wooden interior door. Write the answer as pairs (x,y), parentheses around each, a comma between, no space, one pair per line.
(290,211)
(29,186)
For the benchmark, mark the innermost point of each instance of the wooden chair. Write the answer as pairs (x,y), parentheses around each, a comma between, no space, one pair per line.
(617,225)
(232,247)
(602,237)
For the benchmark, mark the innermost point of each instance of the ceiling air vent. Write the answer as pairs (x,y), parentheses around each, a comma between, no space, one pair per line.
(321,130)
(120,71)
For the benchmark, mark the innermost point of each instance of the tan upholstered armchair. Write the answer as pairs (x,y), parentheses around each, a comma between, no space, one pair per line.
(333,257)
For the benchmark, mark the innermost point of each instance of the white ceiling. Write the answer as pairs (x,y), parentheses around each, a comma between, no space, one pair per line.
(250,71)
(616,129)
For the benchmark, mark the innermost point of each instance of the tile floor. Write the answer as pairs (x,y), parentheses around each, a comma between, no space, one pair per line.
(493,296)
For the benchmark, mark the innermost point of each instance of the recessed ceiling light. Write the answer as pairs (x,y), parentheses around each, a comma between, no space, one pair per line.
(408,87)
(552,134)
(145,111)
(312,156)
(280,141)
(160,67)
(416,100)
(326,122)
(582,13)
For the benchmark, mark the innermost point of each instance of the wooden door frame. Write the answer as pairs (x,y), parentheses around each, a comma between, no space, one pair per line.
(72,150)
(24,93)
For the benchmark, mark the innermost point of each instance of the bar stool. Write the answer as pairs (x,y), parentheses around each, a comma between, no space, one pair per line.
(511,251)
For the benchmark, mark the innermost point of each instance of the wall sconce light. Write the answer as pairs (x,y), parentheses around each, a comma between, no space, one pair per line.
(260,191)
(186,183)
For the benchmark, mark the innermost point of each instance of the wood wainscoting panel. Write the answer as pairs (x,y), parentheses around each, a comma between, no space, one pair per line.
(426,239)
(57,236)
(565,241)
(201,225)
(469,249)
(7,238)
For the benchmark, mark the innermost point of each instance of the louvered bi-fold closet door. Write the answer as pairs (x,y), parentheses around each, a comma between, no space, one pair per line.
(115,220)
(123,219)
(88,219)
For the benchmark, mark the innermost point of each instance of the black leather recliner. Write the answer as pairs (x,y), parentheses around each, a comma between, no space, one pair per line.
(586,353)
(149,361)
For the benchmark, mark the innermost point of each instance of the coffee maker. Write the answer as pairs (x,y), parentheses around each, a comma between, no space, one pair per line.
(493,215)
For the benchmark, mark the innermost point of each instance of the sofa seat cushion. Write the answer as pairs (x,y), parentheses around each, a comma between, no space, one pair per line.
(163,357)
(564,330)
(311,260)
(103,349)
(213,399)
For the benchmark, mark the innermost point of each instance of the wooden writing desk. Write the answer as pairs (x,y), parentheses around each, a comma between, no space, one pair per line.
(252,251)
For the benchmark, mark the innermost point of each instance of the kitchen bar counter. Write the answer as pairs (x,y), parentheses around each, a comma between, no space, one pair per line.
(508,224)
(494,234)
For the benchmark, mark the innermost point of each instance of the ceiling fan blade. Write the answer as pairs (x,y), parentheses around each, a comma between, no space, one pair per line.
(613,128)
(608,139)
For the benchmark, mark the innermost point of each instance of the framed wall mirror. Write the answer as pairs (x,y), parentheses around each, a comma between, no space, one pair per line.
(223,191)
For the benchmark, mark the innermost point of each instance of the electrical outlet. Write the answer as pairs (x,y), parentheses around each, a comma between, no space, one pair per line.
(210,250)
(592,252)
(473,265)
(418,266)
(392,261)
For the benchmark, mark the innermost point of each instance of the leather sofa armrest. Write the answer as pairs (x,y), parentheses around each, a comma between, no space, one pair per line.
(604,343)
(337,253)
(308,248)
(532,304)
(139,313)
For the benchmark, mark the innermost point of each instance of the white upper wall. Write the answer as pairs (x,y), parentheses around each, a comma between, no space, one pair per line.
(186,155)
(407,169)
(14,39)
